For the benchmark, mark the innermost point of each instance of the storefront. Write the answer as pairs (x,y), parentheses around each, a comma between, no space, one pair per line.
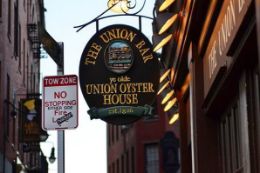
(219,113)
(226,112)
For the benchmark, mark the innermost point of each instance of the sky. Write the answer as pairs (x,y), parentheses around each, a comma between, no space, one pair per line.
(85,146)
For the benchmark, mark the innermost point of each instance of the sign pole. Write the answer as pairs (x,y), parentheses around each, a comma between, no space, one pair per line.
(61,151)
(61,134)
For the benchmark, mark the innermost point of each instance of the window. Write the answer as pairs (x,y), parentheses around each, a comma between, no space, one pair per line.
(230,142)
(253,96)
(234,137)
(152,158)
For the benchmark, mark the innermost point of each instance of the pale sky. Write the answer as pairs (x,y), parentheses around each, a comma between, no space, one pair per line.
(85,147)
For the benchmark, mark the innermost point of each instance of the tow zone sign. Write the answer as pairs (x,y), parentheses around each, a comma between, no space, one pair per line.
(60,102)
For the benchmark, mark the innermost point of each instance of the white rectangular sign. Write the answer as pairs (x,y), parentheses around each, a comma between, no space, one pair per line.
(60,102)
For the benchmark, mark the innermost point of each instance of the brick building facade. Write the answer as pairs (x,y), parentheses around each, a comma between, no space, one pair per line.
(19,79)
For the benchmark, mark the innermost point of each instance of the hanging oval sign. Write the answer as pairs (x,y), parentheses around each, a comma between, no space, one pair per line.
(119,75)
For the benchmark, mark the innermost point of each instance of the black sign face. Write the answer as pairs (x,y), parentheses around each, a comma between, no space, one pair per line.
(119,75)
(31,120)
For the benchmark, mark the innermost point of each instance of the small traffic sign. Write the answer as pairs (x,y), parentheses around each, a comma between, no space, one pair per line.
(60,102)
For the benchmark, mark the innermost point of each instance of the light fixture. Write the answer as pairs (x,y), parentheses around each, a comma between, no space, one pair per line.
(44,136)
(118,6)
(165,20)
(52,157)
(170,104)
(30,105)
(167,97)
(173,114)
(163,87)
(174,118)
(166,23)
(165,73)
(167,94)
(164,4)
(160,40)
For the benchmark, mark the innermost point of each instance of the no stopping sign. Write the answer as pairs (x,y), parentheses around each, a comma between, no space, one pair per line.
(60,102)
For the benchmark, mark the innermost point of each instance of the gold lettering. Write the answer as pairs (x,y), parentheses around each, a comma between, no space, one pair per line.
(140,44)
(122,88)
(212,60)
(101,88)
(145,88)
(241,4)
(119,93)
(147,58)
(104,37)
(143,51)
(94,50)
(124,34)
(113,34)
(115,99)
(226,27)
(88,89)
(88,61)
(150,85)
(107,100)
(92,53)
(96,89)
(135,99)
(131,36)
(233,16)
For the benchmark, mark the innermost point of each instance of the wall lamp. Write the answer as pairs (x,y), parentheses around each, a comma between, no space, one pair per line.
(166,22)
(173,115)
(164,4)
(52,157)
(161,40)
(168,95)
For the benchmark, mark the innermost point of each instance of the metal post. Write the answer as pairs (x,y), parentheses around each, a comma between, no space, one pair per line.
(61,133)
(61,151)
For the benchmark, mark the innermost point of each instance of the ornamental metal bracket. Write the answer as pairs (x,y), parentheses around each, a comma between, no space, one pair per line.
(125,14)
